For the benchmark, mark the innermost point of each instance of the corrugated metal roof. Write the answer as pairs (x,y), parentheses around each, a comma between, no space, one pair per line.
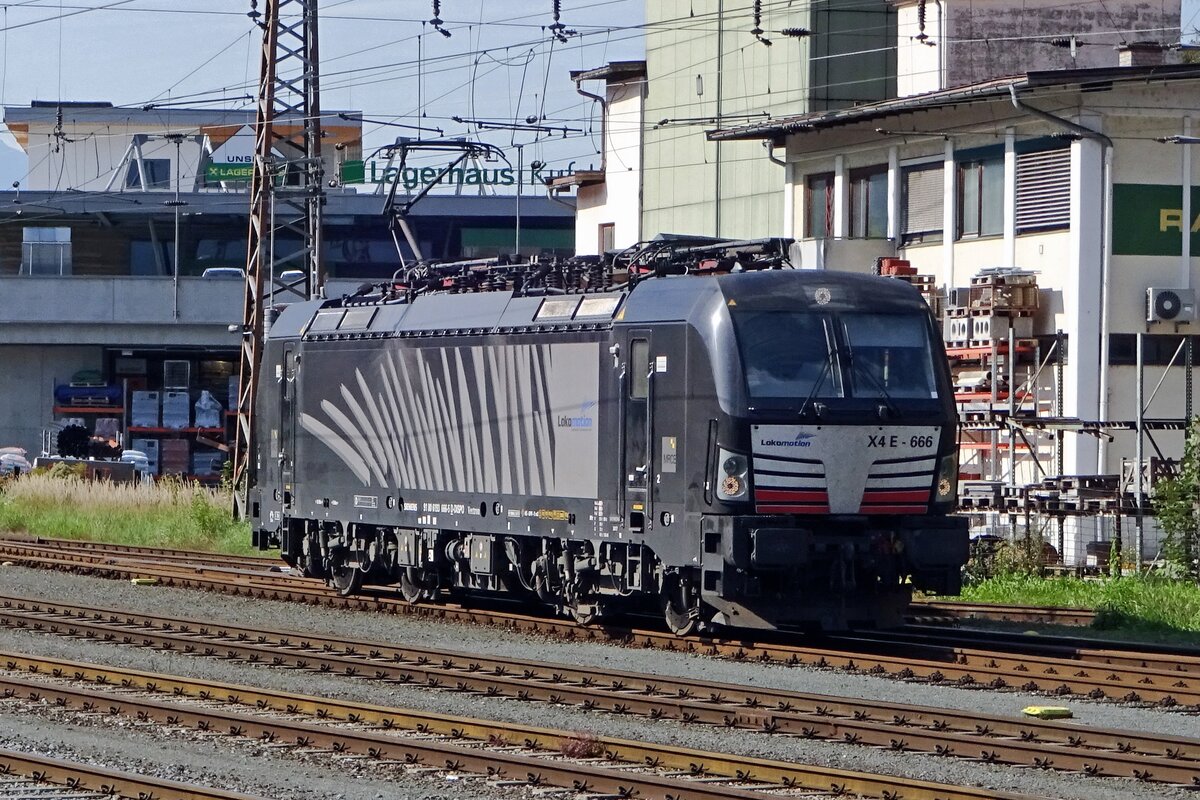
(1093,79)
(612,71)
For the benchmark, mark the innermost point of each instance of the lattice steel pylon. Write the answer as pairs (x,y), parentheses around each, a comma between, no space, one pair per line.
(286,196)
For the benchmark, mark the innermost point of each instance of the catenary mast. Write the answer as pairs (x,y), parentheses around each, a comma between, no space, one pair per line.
(286,197)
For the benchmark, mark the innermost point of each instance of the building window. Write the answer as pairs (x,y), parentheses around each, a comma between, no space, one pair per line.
(46,251)
(868,202)
(1044,190)
(922,198)
(145,259)
(158,174)
(608,237)
(819,203)
(981,197)
(1159,349)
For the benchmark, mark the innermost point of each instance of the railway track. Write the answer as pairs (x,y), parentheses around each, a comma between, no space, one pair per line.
(507,754)
(1168,679)
(894,726)
(24,776)
(1042,615)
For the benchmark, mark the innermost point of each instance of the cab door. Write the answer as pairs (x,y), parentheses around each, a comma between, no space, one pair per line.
(287,426)
(635,458)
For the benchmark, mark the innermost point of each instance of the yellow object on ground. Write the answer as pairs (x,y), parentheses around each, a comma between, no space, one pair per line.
(1047,712)
(143,581)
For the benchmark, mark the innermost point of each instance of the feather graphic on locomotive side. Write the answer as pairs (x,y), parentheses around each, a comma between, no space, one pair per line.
(468,419)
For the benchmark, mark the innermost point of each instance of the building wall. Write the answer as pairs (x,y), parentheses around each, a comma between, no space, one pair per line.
(974,41)
(704,65)
(617,201)
(88,162)
(26,413)
(1070,261)
(989,38)
(88,147)
(591,211)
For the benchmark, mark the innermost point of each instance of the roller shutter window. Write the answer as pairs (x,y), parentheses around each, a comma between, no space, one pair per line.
(818,223)
(1044,190)
(922,200)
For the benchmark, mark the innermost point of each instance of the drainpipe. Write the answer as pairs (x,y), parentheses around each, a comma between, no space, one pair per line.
(1106,252)
(552,194)
(774,159)
(603,124)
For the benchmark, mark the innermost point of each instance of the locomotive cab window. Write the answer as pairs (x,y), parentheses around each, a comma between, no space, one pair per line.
(889,355)
(787,355)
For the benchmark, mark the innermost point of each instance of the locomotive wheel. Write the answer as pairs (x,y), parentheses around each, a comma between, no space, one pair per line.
(345,579)
(680,611)
(416,587)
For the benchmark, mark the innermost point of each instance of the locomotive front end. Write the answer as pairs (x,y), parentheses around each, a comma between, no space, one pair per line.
(836,471)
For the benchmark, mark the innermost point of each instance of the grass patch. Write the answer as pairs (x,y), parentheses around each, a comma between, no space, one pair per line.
(1133,604)
(165,514)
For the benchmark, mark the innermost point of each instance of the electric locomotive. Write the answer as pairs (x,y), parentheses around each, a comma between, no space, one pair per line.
(702,430)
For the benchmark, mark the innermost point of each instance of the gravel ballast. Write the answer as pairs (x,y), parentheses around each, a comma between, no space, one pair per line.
(465,638)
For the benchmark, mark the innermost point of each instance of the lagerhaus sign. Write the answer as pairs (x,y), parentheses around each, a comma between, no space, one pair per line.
(412,178)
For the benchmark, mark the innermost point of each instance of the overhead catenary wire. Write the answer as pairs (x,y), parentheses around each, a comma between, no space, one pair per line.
(544,97)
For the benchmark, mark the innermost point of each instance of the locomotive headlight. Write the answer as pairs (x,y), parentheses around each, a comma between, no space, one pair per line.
(735,484)
(947,479)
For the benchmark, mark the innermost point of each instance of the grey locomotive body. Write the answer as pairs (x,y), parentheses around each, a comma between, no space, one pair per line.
(758,449)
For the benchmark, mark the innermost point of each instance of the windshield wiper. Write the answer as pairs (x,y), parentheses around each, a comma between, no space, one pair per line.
(825,371)
(892,409)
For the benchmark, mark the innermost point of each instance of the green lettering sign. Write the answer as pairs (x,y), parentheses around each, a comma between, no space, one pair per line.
(1147,220)
(228,172)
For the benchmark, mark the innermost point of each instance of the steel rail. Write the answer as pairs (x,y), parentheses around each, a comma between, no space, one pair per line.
(1048,615)
(106,782)
(1155,684)
(1148,656)
(1172,659)
(626,768)
(887,725)
(161,553)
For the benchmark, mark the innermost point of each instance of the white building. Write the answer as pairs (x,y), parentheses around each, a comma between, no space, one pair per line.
(601,225)
(1076,175)
(96,147)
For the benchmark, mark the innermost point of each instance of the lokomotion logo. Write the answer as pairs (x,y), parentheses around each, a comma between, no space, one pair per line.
(801,440)
(583,422)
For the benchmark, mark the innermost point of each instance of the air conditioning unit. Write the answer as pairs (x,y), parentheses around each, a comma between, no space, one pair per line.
(1170,305)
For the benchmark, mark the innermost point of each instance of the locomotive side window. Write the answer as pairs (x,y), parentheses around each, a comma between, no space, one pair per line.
(557,308)
(358,319)
(890,355)
(326,321)
(787,355)
(598,307)
(639,369)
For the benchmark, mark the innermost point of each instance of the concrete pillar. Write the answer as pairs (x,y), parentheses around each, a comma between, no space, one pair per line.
(1081,299)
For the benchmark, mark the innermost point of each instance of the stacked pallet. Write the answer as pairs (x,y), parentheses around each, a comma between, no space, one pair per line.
(902,269)
(997,302)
